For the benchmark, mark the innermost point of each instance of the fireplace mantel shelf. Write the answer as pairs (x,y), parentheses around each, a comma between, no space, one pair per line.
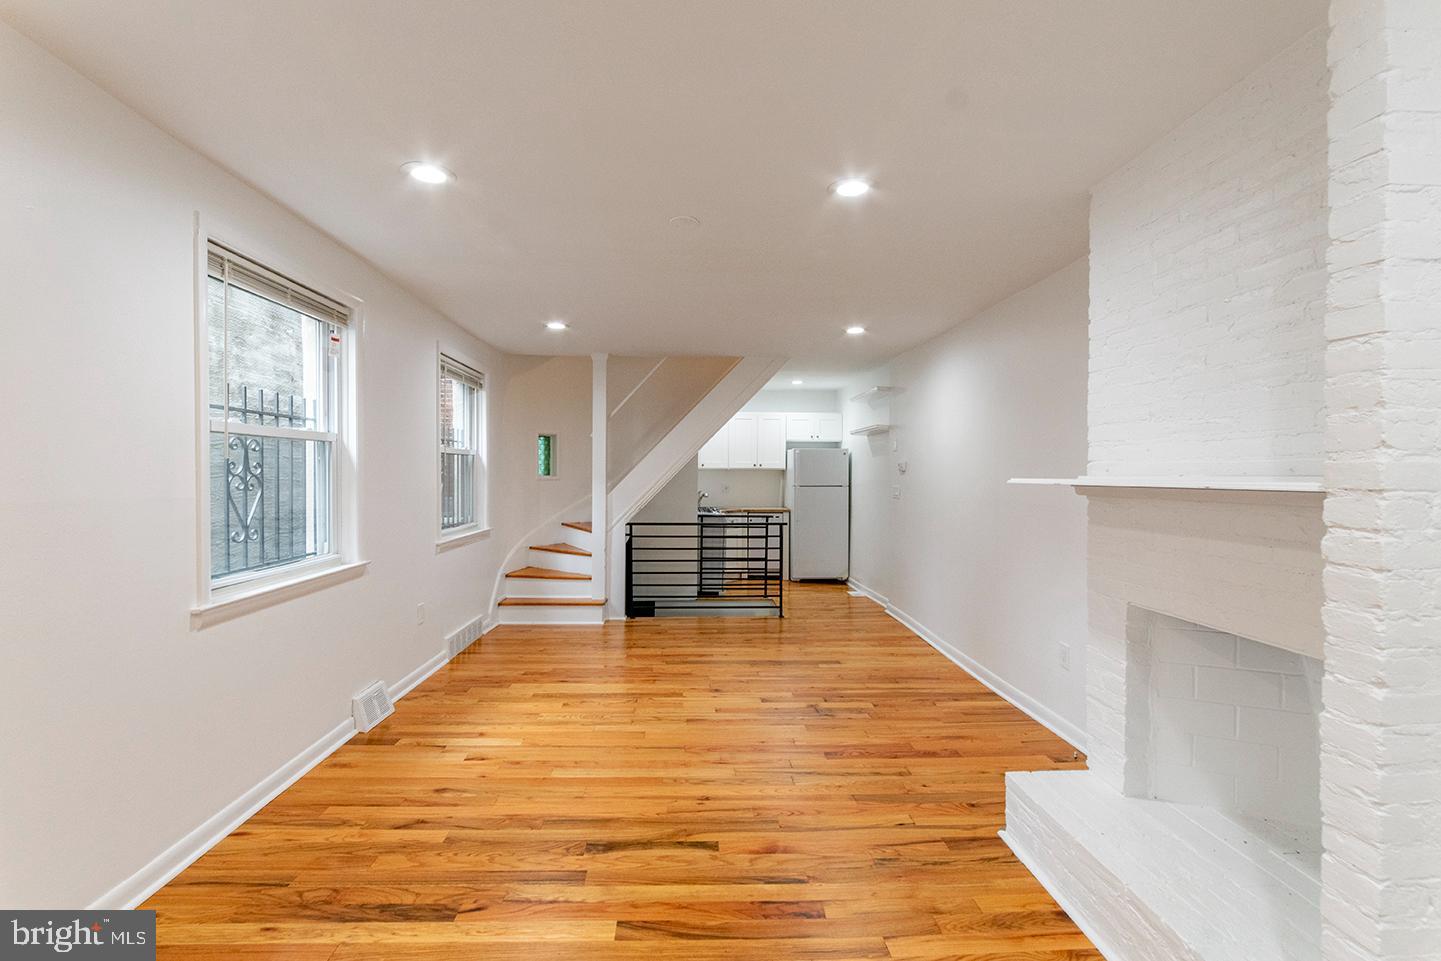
(1276,485)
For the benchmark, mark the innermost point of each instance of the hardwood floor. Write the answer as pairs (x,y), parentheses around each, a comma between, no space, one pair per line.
(822,787)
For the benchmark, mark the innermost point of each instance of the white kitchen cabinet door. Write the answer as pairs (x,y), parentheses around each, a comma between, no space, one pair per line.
(800,427)
(744,438)
(771,441)
(716,452)
(828,427)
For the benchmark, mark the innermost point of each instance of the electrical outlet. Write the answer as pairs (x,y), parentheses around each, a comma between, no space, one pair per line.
(896,492)
(420,613)
(1065,656)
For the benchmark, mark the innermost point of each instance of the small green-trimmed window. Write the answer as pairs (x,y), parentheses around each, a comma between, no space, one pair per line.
(545,455)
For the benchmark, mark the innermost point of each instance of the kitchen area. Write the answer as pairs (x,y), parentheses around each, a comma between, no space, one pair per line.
(765,502)
(768,501)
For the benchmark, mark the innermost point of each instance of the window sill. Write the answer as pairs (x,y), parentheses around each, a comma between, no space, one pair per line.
(451,541)
(246,600)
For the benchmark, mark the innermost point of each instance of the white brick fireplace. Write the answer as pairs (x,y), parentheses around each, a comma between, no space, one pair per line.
(1265,304)
(1196,832)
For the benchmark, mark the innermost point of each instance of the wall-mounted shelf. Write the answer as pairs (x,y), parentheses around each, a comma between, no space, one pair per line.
(1274,485)
(874,393)
(872,429)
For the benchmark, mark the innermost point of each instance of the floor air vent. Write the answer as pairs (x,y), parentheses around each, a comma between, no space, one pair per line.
(371,706)
(465,636)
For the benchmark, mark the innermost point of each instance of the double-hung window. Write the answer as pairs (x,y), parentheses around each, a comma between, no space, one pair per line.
(274,366)
(462,471)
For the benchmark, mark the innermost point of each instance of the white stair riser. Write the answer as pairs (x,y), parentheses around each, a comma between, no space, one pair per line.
(545,587)
(580,539)
(573,563)
(564,614)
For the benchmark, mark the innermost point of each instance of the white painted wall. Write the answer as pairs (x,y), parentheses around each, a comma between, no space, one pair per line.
(743,488)
(125,729)
(1208,286)
(996,573)
(799,401)
(675,501)
(544,395)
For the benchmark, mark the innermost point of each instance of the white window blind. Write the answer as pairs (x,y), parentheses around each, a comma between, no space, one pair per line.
(240,271)
(458,371)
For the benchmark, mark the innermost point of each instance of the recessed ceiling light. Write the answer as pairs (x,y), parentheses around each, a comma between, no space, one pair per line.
(855,330)
(851,187)
(556,325)
(797,383)
(428,173)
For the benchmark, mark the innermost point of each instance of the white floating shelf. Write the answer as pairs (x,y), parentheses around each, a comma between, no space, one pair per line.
(1281,485)
(872,429)
(873,394)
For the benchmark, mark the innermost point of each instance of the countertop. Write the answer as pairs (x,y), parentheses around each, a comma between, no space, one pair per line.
(746,510)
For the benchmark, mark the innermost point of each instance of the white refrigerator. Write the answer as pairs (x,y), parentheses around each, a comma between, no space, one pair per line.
(818,493)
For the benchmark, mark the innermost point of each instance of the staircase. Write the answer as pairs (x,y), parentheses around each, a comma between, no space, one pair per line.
(555,587)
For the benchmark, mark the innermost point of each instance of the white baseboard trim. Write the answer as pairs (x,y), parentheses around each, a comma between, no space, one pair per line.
(862,589)
(186,851)
(1058,894)
(408,683)
(1043,715)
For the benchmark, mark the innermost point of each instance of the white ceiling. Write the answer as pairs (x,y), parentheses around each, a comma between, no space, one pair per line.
(578,129)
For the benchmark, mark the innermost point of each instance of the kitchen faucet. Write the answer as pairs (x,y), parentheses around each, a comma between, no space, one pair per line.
(703,496)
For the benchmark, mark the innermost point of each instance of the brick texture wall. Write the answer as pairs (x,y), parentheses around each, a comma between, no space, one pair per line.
(1208,287)
(1381,728)
(1233,723)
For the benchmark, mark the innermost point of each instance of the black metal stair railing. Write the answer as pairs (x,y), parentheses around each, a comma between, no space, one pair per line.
(718,564)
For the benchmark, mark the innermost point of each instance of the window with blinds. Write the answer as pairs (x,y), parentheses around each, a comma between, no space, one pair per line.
(461,424)
(274,349)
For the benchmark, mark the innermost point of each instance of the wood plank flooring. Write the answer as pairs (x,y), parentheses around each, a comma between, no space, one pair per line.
(820,787)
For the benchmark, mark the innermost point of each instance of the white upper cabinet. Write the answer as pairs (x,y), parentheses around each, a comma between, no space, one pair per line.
(771,441)
(744,436)
(828,427)
(758,441)
(716,452)
(813,427)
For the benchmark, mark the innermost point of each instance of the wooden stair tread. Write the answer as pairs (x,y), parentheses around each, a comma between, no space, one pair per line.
(547,573)
(561,549)
(578,525)
(552,602)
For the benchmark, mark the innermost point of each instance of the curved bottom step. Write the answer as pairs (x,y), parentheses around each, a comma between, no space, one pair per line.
(552,610)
